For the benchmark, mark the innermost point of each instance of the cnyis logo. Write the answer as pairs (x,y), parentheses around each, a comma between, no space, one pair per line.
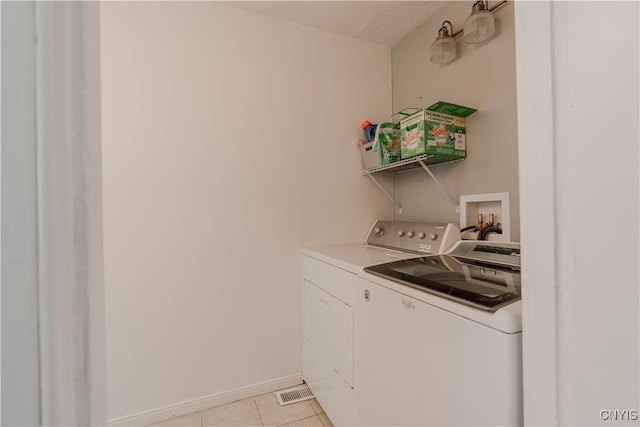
(619,415)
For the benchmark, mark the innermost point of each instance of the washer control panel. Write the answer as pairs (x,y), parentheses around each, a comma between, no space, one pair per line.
(419,237)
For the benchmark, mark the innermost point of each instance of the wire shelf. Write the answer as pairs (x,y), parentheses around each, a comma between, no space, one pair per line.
(411,163)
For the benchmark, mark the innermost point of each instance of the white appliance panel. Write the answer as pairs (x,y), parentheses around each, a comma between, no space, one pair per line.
(339,283)
(420,365)
(508,319)
(328,324)
(335,396)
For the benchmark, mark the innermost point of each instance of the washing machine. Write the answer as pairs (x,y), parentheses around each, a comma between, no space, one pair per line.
(439,339)
(415,327)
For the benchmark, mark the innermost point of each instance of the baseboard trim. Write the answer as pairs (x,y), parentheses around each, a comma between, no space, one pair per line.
(201,403)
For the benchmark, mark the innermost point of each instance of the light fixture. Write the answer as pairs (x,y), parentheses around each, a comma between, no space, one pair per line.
(444,49)
(480,25)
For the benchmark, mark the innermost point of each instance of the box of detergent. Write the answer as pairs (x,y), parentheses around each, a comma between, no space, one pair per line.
(439,130)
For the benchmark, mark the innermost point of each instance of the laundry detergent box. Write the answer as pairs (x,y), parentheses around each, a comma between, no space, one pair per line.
(384,149)
(439,130)
(389,143)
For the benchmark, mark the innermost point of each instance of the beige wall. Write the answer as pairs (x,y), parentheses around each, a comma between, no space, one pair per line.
(483,77)
(227,148)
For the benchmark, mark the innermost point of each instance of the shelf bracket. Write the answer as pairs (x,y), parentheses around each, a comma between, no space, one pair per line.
(453,200)
(382,189)
(412,164)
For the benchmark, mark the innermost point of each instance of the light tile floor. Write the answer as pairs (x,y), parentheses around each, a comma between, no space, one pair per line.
(259,411)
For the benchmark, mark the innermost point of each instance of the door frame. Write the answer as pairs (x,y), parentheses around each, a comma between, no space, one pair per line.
(538,208)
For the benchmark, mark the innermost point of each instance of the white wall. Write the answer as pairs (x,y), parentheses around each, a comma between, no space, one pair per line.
(20,364)
(226,149)
(597,182)
(482,77)
(577,78)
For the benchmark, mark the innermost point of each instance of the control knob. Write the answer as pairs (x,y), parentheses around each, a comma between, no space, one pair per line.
(378,230)
(421,235)
(411,234)
(401,233)
(433,236)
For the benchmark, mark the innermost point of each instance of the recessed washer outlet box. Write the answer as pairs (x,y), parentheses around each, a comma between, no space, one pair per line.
(491,203)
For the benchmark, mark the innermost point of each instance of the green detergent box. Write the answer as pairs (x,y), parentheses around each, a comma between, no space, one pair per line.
(439,130)
(384,149)
(389,143)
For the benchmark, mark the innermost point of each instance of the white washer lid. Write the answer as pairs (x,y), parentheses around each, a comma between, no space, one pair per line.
(354,258)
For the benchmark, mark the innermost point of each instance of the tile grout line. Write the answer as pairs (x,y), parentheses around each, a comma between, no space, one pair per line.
(258,409)
(300,419)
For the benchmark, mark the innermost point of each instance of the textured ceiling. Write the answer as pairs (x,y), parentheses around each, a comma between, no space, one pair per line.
(381,22)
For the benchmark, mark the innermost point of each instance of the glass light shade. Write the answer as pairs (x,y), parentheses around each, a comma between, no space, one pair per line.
(478,27)
(443,50)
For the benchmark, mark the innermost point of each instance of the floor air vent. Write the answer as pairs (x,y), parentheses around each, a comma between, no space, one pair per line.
(293,395)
